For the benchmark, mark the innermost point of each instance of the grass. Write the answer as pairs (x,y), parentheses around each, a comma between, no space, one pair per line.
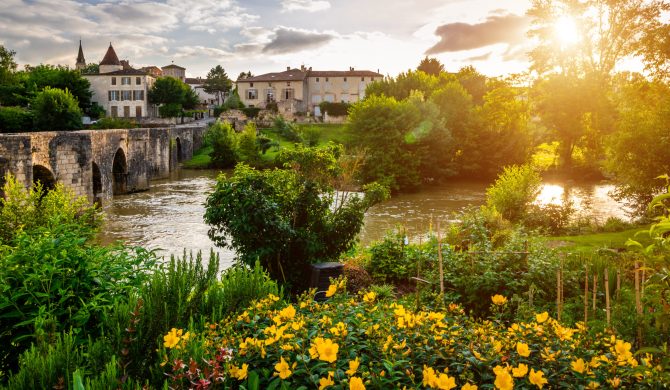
(594,241)
(337,133)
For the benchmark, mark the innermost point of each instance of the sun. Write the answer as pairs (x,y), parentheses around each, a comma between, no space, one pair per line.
(566,31)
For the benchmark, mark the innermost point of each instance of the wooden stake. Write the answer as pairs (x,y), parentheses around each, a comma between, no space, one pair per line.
(638,303)
(586,294)
(595,287)
(607,295)
(439,257)
(644,274)
(618,282)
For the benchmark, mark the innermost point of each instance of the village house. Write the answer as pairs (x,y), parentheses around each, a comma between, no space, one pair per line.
(118,88)
(301,90)
(175,71)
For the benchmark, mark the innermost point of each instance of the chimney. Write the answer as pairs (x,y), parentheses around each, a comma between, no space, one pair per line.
(351,68)
(288,68)
(310,68)
(302,67)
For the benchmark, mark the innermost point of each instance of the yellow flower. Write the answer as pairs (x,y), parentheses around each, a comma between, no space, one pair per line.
(327,350)
(593,385)
(353,366)
(325,382)
(282,369)
(356,383)
(503,380)
(240,373)
(369,297)
(287,313)
(520,371)
(537,378)
(332,289)
(614,382)
(468,386)
(446,382)
(540,318)
(498,300)
(578,366)
(172,338)
(522,349)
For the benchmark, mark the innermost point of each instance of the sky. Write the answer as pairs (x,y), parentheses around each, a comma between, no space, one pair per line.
(261,36)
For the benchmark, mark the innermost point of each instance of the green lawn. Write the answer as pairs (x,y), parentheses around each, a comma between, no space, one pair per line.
(591,242)
(329,132)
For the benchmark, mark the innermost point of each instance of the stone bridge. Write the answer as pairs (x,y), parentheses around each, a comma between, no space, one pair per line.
(97,163)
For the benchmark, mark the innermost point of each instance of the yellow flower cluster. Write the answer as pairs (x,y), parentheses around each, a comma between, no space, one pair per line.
(175,338)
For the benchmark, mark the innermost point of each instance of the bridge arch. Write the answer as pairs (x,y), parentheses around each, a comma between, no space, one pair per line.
(180,154)
(96,179)
(43,175)
(119,173)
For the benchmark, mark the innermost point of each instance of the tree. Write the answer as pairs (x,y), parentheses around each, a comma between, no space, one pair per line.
(244,75)
(217,83)
(56,109)
(431,66)
(223,140)
(247,144)
(639,149)
(174,95)
(60,77)
(91,69)
(592,36)
(7,63)
(285,219)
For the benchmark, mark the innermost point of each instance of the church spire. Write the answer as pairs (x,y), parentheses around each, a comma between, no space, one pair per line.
(81,62)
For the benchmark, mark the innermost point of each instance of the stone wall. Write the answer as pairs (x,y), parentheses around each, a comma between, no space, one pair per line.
(85,160)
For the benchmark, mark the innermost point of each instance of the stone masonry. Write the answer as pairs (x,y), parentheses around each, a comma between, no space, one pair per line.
(98,163)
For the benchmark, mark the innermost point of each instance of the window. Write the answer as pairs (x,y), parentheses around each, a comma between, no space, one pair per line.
(270,95)
(317,79)
(316,99)
(251,84)
(138,80)
(113,80)
(288,83)
(138,95)
(345,79)
(113,96)
(329,97)
(372,79)
(362,78)
(252,94)
(287,93)
(126,95)
(138,111)
(326,79)
(115,111)
(125,80)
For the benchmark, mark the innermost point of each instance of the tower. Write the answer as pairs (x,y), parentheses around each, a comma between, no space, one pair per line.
(81,62)
(110,62)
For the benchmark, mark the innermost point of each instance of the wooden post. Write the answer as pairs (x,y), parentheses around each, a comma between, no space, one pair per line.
(418,276)
(439,257)
(638,302)
(618,282)
(595,287)
(644,274)
(586,294)
(607,295)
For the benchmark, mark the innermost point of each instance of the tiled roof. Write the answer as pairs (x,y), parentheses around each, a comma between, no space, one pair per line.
(173,66)
(194,80)
(123,72)
(288,75)
(343,73)
(110,57)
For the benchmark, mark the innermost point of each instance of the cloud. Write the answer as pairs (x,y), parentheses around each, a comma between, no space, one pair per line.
(510,29)
(304,5)
(482,57)
(290,40)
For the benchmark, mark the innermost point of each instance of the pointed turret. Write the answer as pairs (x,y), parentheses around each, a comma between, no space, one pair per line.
(81,61)
(110,62)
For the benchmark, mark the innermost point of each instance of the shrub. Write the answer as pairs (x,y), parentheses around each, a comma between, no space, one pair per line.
(15,120)
(251,112)
(360,340)
(388,262)
(264,143)
(513,192)
(334,108)
(247,145)
(615,224)
(113,123)
(170,110)
(357,277)
(552,218)
(56,109)
(222,138)
(311,136)
(286,129)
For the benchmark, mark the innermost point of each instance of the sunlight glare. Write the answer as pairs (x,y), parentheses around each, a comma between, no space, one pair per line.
(550,194)
(565,29)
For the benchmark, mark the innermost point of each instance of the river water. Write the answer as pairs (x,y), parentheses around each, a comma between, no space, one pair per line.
(169,217)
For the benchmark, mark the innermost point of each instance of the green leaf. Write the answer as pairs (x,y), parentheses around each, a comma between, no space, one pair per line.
(253,381)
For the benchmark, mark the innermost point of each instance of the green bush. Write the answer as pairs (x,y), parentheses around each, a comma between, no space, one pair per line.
(56,109)
(388,261)
(286,129)
(335,108)
(551,218)
(250,112)
(222,138)
(170,110)
(514,191)
(113,123)
(247,145)
(264,143)
(311,136)
(15,120)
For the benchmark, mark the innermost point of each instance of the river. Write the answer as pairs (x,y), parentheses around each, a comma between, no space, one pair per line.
(169,216)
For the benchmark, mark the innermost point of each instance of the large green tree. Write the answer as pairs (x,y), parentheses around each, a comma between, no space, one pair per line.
(217,83)
(56,109)
(432,66)
(287,218)
(173,95)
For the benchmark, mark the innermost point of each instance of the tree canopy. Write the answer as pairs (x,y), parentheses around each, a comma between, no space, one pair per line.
(431,66)
(173,95)
(217,82)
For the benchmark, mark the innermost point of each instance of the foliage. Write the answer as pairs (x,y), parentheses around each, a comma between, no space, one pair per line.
(359,341)
(233,102)
(60,77)
(513,192)
(251,112)
(113,123)
(223,140)
(389,261)
(640,147)
(551,218)
(96,111)
(55,109)
(311,135)
(217,82)
(91,69)
(431,66)
(15,119)
(247,144)
(170,110)
(286,129)
(31,210)
(335,108)
(173,95)
(286,219)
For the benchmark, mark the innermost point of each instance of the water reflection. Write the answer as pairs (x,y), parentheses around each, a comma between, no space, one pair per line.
(170,215)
